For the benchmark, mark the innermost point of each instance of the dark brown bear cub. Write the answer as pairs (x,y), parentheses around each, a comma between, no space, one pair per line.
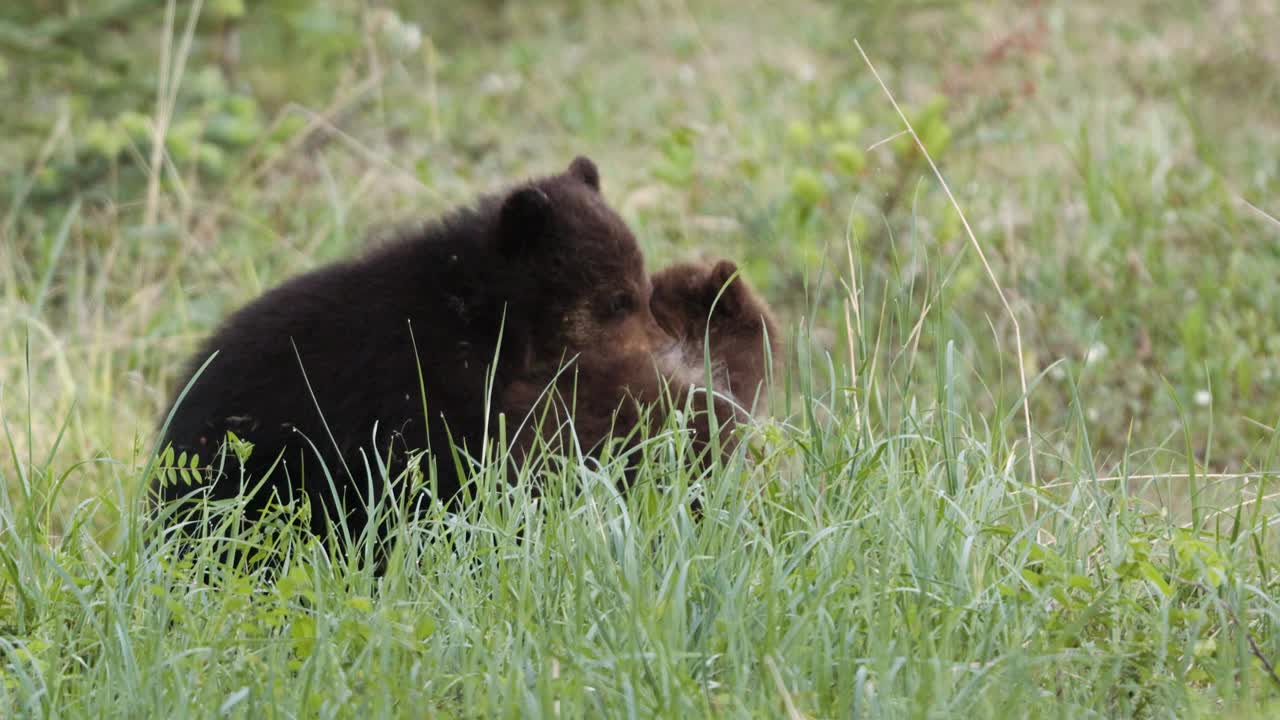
(327,366)
(603,395)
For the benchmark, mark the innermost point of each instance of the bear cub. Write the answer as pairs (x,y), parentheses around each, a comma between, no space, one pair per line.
(612,394)
(712,308)
(368,359)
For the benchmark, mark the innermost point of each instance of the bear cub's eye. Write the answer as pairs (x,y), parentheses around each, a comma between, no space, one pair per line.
(618,305)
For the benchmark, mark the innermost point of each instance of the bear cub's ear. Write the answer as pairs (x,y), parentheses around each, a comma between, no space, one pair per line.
(524,219)
(586,171)
(725,273)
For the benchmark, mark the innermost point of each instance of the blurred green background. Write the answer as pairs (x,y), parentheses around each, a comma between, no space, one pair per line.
(1116,161)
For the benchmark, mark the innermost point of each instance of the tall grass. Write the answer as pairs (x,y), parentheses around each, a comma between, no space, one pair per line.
(878,562)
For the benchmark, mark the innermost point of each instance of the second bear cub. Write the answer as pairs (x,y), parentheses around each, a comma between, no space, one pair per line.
(604,393)
(712,312)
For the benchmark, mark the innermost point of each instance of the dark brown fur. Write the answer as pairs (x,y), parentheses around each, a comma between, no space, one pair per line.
(610,394)
(547,267)
(601,398)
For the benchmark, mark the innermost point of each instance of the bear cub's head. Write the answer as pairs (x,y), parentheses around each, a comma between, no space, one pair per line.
(711,307)
(576,272)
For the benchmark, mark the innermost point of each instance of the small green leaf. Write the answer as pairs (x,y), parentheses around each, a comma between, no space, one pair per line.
(807,187)
(849,158)
(1149,571)
(1080,582)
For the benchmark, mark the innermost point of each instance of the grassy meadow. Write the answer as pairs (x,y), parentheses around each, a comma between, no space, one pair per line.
(1021,461)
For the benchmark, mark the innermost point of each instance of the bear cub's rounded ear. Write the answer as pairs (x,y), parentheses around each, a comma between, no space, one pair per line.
(725,272)
(525,216)
(586,171)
